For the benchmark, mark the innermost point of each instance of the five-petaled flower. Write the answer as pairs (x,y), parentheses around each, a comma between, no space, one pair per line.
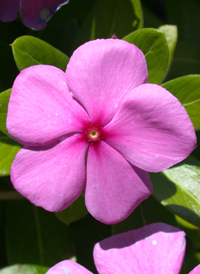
(35,13)
(99,127)
(154,249)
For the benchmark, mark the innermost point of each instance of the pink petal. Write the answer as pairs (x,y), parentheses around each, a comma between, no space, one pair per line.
(151,129)
(41,109)
(153,249)
(9,10)
(52,177)
(101,72)
(36,13)
(68,267)
(114,188)
(196,270)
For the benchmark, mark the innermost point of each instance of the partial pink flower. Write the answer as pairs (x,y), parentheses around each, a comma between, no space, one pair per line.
(35,13)
(196,270)
(154,249)
(98,127)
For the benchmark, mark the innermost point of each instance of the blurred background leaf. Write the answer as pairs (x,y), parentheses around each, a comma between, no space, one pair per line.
(35,236)
(86,233)
(110,17)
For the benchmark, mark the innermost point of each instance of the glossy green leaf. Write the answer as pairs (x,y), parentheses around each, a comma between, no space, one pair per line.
(171,35)
(74,212)
(24,269)
(148,212)
(155,48)
(4,100)
(29,51)
(111,17)
(187,90)
(35,236)
(178,189)
(8,150)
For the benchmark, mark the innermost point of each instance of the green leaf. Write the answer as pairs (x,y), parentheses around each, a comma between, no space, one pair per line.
(111,17)
(29,51)
(35,236)
(148,212)
(24,269)
(74,212)
(154,46)
(178,189)
(171,35)
(4,100)
(8,150)
(187,90)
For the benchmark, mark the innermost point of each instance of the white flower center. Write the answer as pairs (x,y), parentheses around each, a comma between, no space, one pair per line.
(93,134)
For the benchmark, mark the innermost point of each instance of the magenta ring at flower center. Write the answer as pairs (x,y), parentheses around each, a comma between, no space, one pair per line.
(93,134)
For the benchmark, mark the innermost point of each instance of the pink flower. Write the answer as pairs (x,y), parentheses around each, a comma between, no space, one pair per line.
(35,13)
(154,249)
(103,112)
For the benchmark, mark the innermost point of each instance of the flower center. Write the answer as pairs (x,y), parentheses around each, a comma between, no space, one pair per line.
(93,134)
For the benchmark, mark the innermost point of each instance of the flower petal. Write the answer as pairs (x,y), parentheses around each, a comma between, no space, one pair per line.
(52,177)
(101,72)
(9,10)
(151,129)
(41,109)
(155,248)
(35,14)
(196,270)
(114,188)
(68,267)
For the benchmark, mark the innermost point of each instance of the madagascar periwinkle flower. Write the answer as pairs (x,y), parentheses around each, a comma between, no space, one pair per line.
(98,127)
(154,249)
(34,13)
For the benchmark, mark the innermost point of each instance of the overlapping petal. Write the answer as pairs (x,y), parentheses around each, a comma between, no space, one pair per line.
(36,13)
(41,109)
(9,10)
(151,129)
(156,248)
(114,188)
(101,72)
(68,267)
(51,177)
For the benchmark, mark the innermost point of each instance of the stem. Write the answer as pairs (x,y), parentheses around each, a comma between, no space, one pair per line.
(142,215)
(38,229)
(10,195)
